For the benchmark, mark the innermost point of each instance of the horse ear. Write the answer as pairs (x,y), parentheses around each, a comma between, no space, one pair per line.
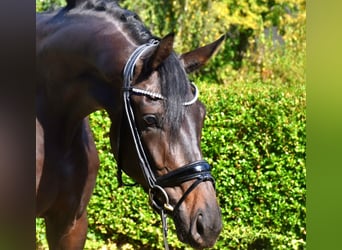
(163,50)
(195,59)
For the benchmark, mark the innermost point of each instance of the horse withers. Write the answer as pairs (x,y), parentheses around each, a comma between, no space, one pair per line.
(93,55)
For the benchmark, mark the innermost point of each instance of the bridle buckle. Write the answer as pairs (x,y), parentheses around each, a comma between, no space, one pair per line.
(160,204)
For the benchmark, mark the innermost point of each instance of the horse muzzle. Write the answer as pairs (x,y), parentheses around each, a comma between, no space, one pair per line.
(201,226)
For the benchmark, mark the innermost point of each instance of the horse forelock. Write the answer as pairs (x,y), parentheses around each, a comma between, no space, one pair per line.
(174,86)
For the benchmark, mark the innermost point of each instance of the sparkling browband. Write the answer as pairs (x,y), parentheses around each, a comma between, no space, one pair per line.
(153,95)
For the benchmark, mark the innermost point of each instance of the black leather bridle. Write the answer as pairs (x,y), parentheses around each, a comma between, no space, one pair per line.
(198,171)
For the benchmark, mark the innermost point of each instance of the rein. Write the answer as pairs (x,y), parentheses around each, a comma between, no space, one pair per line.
(199,170)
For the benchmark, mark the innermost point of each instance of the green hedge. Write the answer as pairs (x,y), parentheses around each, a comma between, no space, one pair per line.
(254,137)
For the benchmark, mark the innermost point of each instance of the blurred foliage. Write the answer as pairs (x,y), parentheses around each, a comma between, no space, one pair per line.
(254,133)
(197,23)
(46,5)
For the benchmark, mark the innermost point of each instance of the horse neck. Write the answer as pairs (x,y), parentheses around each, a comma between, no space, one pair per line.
(86,74)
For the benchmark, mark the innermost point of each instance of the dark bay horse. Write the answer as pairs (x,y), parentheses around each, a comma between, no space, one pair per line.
(93,55)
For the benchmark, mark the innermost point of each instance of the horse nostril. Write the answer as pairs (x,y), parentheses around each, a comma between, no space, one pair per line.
(199,224)
(205,229)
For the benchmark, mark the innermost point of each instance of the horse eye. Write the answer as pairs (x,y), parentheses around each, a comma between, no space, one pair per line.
(150,120)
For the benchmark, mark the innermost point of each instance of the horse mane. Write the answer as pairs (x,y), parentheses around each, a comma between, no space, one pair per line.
(173,79)
(111,9)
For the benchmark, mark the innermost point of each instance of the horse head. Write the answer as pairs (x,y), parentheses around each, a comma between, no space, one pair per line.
(164,116)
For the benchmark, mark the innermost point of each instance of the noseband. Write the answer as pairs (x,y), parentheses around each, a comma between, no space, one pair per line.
(198,171)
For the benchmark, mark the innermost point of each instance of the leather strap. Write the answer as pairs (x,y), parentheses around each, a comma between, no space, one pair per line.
(198,171)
